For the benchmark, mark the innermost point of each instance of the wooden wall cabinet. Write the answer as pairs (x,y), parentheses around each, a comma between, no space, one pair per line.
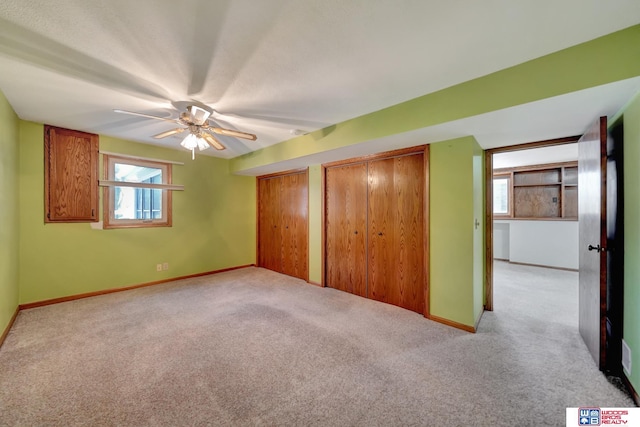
(375,229)
(543,191)
(283,205)
(70,175)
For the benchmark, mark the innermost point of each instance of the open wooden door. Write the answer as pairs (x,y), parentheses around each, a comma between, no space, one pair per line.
(592,208)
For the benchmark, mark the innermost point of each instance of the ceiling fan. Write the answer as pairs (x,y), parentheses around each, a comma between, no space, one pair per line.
(201,132)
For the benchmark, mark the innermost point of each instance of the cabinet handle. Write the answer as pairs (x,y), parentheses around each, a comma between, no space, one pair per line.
(380,233)
(355,232)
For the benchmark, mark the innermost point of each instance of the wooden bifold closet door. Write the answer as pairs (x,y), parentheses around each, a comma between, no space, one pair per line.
(282,224)
(396,250)
(346,222)
(269,238)
(294,203)
(375,226)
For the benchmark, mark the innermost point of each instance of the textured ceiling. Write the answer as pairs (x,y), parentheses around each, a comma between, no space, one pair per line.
(536,156)
(269,66)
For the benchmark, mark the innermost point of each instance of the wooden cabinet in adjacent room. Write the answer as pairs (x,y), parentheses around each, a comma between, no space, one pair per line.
(375,226)
(71,175)
(283,206)
(547,191)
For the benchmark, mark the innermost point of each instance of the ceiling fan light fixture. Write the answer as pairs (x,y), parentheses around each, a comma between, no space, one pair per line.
(202,144)
(193,141)
(190,142)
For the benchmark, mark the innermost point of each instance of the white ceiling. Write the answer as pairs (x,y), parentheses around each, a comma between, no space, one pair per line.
(271,66)
(536,156)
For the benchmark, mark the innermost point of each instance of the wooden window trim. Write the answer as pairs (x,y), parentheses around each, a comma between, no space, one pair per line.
(167,200)
(509,177)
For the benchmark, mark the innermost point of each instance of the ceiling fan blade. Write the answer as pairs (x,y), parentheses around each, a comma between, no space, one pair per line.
(212,141)
(234,133)
(148,116)
(169,133)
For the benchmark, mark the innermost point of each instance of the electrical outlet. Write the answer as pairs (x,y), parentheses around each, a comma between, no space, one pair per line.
(158,267)
(626,357)
(165,266)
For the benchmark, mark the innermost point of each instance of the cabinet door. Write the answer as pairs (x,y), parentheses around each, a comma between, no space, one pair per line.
(346,228)
(269,236)
(294,209)
(71,175)
(396,231)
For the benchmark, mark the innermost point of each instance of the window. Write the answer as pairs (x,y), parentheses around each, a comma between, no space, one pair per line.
(139,201)
(501,191)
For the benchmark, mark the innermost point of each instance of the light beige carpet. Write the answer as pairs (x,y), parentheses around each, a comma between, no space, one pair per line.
(253,347)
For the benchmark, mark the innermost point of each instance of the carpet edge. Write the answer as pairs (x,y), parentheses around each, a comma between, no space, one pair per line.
(42,303)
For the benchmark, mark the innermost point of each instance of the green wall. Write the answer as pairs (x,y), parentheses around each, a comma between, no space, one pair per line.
(8,213)
(478,231)
(315,224)
(631,324)
(456,245)
(213,228)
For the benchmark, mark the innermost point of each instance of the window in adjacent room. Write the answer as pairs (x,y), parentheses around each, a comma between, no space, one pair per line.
(138,202)
(501,191)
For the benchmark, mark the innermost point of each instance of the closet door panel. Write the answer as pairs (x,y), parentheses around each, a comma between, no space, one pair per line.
(409,236)
(346,228)
(381,230)
(294,220)
(396,221)
(269,238)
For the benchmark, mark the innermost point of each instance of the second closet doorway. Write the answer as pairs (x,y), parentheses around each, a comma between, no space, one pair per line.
(375,227)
